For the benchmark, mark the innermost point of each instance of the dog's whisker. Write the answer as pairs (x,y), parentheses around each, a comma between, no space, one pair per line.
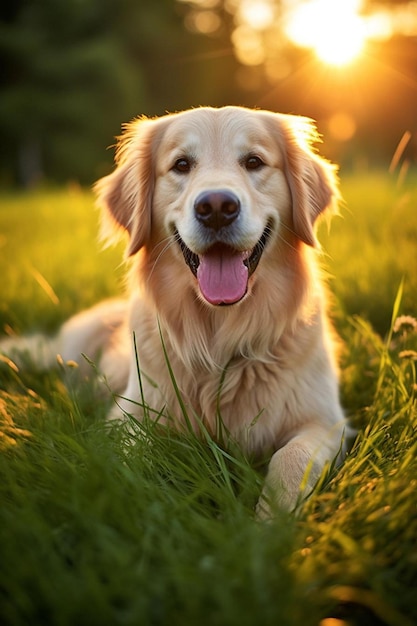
(166,243)
(290,230)
(287,243)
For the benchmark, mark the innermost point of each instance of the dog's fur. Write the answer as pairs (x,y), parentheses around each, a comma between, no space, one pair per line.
(265,363)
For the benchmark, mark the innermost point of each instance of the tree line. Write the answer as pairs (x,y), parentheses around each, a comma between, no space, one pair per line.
(74,70)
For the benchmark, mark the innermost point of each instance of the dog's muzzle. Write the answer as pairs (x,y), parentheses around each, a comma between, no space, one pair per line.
(222,271)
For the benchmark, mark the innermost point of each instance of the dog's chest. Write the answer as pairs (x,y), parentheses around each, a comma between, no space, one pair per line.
(248,399)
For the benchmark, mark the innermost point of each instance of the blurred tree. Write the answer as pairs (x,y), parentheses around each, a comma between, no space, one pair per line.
(55,88)
(74,70)
(65,79)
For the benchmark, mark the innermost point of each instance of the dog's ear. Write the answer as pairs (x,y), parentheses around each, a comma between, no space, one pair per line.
(312,180)
(126,195)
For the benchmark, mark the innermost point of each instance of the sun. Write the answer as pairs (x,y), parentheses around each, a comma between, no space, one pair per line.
(334,30)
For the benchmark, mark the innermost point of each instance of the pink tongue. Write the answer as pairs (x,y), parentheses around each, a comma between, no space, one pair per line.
(222,275)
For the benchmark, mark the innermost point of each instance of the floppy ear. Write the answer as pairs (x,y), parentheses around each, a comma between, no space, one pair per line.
(312,180)
(125,196)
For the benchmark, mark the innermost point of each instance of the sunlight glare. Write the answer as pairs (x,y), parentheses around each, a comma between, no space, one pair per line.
(334,30)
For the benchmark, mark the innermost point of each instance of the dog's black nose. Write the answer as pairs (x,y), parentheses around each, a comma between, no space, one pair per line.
(216,209)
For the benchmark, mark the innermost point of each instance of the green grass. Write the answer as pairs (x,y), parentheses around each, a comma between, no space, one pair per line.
(372,246)
(51,262)
(98,527)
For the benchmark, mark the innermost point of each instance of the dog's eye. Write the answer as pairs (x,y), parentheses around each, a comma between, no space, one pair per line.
(253,162)
(182,165)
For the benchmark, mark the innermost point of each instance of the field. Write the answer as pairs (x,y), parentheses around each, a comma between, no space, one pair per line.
(100,528)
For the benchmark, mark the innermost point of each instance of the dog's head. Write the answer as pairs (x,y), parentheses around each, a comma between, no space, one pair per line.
(224,186)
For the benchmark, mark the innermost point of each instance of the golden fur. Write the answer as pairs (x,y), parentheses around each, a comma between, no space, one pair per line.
(265,363)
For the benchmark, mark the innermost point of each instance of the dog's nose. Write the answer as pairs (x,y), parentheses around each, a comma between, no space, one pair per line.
(216,209)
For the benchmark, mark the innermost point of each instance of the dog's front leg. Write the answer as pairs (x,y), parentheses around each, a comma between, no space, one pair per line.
(295,468)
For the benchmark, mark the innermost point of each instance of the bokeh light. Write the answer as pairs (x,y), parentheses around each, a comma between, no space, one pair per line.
(341,126)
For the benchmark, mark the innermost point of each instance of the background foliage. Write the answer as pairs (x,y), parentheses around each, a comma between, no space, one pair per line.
(73,71)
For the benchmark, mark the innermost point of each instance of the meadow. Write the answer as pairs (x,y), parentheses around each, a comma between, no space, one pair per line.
(101,527)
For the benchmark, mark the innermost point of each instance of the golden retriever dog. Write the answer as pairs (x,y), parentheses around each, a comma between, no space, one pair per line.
(220,207)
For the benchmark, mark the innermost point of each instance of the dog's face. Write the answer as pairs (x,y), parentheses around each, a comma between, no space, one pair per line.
(225,186)
(221,192)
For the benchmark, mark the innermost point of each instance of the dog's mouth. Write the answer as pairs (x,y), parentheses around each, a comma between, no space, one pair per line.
(222,271)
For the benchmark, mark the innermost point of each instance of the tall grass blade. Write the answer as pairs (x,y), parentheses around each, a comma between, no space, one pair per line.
(177,390)
(385,355)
